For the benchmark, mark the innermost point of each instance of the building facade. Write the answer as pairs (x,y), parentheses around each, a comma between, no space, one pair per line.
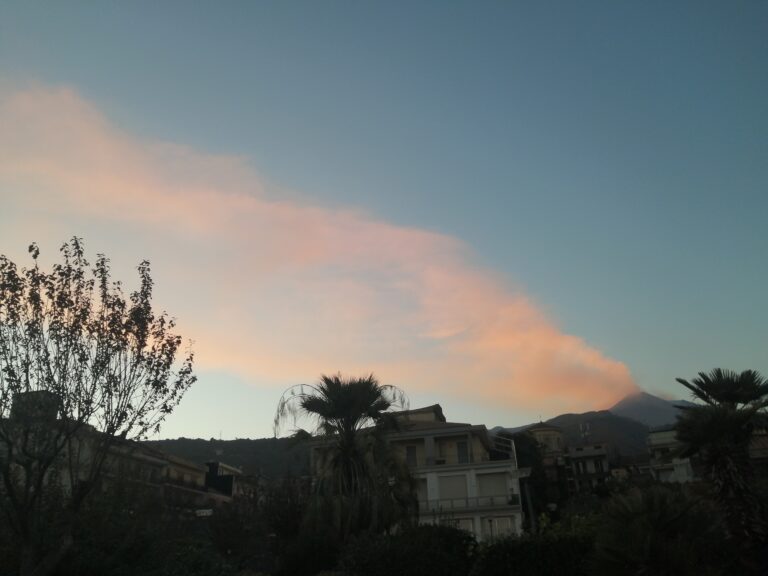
(462,479)
(666,465)
(590,468)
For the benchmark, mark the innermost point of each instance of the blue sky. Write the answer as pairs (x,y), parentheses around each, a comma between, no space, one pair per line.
(609,160)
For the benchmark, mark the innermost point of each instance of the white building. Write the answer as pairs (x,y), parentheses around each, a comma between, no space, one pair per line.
(666,463)
(462,479)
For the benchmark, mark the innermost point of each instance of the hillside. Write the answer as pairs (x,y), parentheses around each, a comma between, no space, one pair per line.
(627,437)
(648,409)
(273,457)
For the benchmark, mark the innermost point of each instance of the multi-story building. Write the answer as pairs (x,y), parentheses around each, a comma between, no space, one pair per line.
(462,479)
(589,467)
(554,462)
(85,456)
(666,464)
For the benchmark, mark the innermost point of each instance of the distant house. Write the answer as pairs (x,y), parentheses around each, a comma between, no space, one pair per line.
(223,478)
(83,455)
(589,466)
(666,464)
(550,438)
(462,479)
(554,462)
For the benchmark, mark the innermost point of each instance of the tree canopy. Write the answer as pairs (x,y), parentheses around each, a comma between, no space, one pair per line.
(360,485)
(82,368)
(719,432)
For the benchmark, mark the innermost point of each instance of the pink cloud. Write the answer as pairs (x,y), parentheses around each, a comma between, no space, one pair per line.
(278,290)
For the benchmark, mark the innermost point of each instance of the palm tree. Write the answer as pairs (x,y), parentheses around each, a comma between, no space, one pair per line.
(720,431)
(359,484)
(662,530)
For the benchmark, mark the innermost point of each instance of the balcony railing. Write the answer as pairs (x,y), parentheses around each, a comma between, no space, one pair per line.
(447,504)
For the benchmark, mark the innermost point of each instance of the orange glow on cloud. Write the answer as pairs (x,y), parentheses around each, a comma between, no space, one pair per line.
(282,291)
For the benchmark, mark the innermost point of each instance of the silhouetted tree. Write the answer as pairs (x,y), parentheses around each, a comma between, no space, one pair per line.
(720,431)
(82,368)
(661,531)
(359,484)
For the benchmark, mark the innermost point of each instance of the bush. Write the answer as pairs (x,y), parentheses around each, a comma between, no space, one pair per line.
(310,553)
(662,531)
(418,551)
(540,555)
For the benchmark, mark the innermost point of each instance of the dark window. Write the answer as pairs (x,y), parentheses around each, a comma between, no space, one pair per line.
(462,450)
(410,456)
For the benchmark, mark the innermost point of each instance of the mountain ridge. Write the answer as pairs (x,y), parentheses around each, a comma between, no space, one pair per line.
(649,409)
(624,426)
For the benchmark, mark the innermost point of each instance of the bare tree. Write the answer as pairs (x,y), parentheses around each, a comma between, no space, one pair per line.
(83,368)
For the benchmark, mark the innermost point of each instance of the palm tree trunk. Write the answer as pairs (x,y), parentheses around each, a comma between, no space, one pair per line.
(742,507)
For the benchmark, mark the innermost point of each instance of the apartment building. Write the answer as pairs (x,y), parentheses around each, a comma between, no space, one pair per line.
(36,430)
(554,462)
(666,465)
(590,468)
(462,478)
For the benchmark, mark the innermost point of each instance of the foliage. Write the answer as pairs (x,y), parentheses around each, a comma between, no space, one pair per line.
(360,485)
(720,431)
(118,530)
(81,367)
(194,557)
(564,547)
(660,531)
(418,551)
(338,406)
(559,549)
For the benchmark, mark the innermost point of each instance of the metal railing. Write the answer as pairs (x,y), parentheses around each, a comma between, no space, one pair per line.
(464,503)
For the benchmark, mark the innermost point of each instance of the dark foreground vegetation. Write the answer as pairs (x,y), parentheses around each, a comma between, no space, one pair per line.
(651,530)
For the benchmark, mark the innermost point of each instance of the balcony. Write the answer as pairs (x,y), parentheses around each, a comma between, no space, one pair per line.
(454,504)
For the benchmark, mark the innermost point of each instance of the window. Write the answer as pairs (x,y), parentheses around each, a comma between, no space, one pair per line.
(452,487)
(450,522)
(410,456)
(598,465)
(492,484)
(462,451)
(498,527)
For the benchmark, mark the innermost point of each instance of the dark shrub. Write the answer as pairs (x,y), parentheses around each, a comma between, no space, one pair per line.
(417,551)
(542,555)
(310,553)
(663,530)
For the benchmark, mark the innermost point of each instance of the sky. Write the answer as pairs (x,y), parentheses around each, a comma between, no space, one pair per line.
(513,209)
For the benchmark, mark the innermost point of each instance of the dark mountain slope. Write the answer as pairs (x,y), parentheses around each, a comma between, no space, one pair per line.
(648,409)
(273,457)
(626,436)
